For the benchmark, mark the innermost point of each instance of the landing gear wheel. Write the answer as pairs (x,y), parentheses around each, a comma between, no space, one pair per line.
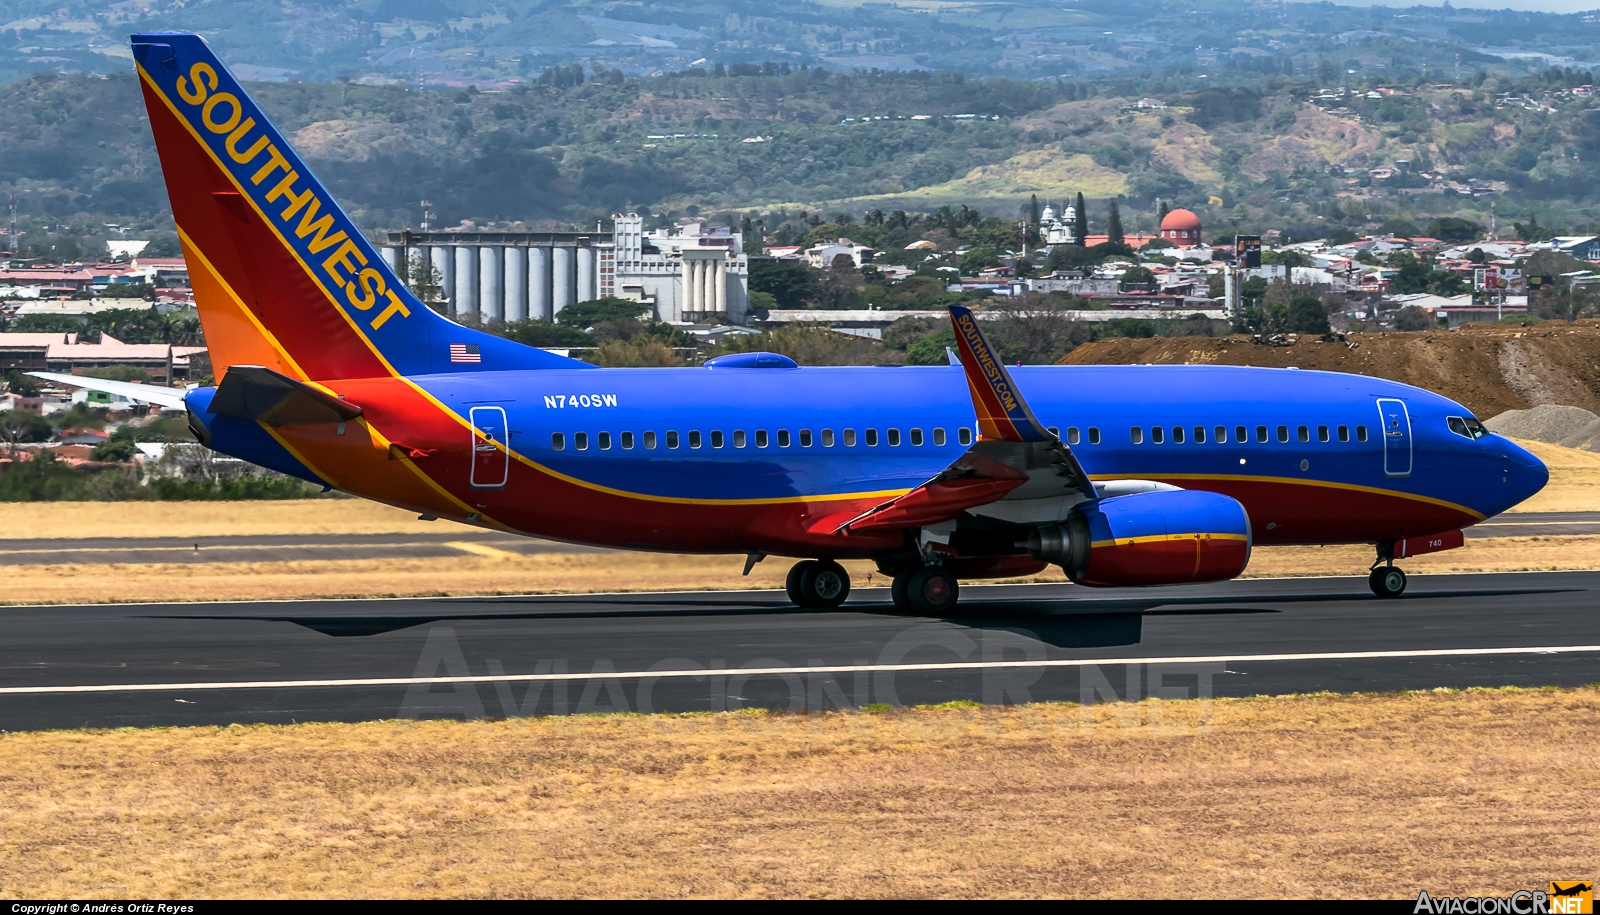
(822,585)
(792,583)
(1387,581)
(897,590)
(931,590)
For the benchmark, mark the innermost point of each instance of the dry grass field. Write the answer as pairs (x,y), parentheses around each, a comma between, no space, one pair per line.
(1319,796)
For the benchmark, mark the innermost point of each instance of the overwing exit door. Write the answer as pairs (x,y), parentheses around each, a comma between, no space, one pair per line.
(491,452)
(1396,437)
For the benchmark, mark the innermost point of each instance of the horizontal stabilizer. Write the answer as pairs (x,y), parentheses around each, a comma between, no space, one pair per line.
(260,394)
(144,393)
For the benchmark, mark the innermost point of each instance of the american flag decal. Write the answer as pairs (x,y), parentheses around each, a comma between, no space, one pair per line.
(464,352)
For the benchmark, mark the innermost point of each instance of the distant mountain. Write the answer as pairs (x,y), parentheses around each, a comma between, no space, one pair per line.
(491,43)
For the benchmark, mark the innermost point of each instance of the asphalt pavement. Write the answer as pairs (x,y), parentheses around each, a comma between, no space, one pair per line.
(352,660)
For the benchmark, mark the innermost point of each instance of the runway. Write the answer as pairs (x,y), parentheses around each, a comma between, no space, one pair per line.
(352,660)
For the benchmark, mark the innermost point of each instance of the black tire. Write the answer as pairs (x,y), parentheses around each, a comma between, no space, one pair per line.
(825,585)
(1387,581)
(897,591)
(932,590)
(792,584)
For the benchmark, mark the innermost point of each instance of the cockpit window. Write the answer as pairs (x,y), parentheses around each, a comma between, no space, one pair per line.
(1467,427)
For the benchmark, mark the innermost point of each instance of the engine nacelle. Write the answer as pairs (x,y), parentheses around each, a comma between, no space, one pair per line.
(1151,538)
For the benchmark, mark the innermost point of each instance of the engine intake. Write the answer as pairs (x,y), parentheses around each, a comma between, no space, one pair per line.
(1150,538)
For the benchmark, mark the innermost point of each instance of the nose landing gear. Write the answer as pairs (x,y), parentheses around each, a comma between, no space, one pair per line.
(818,584)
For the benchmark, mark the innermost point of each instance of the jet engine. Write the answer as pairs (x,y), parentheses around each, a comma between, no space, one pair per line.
(1149,538)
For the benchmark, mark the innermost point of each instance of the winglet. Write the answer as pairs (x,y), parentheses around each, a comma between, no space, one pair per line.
(1002,413)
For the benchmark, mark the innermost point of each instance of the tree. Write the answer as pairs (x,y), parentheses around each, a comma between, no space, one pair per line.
(1477,256)
(1327,72)
(1414,275)
(1068,257)
(1114,225)
(23,426)
(1161,212)
(1138,277)
(1033,210)
(1454,230)
(22,384)
(1413,318)
(597,311)
(791,283)
(1307,315)
(1080,221)
(541,333)
(978,259)
(1400,227)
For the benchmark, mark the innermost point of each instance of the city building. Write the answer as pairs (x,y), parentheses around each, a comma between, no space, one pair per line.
(696,274)
(822,256)
(1182,228)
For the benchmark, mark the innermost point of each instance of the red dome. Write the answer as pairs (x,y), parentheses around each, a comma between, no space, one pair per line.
(1180,219)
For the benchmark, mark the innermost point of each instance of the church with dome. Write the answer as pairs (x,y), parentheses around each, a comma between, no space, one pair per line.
(1182,228)
(1058,230)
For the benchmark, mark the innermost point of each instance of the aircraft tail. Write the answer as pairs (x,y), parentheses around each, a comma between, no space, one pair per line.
(282,277)
(1002,413)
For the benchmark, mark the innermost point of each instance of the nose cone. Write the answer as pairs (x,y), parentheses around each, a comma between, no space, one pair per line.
(1524,473)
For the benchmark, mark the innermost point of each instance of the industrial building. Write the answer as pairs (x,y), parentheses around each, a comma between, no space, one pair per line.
(694,275)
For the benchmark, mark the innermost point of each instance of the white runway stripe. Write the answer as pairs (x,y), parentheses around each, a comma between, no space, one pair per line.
(780,671)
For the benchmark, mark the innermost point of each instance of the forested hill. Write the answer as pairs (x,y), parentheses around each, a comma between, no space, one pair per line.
(1281,152)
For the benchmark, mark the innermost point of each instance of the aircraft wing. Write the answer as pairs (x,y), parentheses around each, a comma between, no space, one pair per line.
(1018,471)
(145,393)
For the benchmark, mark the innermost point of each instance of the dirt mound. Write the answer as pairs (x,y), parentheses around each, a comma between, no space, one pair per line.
(1489,368)
(1570,427)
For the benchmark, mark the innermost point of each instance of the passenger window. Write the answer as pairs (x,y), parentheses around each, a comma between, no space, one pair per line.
(783,438)
(964,435)
(1094,435)
(827,438)
(650,440)
(694,439)
(1137,435)
(916,438)
(871,437)
(581,439)
(805,438)
(1056,431)
(1283,433)
(558,442)
(1220,435)
(1072,435)
(1344,433)
(1241,434)
(893,437)
(1261,433)
(1322,433)
(1305,434)
(1177,435)
(938,436)
(1157,436)
(605,441)
(761,438)
(738,438)
(627,441)
(1199,435)
(716,439)
(1361,433)
(849,438)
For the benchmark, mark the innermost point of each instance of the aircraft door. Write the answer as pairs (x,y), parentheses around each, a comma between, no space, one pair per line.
(491,449)
(1396,425)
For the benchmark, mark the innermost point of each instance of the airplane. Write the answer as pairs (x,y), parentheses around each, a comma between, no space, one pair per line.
(332,371)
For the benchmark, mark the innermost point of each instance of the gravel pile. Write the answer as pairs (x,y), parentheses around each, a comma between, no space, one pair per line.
(1572,427)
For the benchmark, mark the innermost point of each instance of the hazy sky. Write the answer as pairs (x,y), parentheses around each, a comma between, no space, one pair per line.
(1542,6)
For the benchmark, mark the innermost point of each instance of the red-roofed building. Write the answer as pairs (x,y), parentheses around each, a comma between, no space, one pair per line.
(1182,228)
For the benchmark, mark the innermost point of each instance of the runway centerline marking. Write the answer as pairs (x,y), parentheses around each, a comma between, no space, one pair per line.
(479,549)
(678,673)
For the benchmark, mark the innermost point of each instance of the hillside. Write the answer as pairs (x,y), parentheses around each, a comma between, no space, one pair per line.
(1488,368)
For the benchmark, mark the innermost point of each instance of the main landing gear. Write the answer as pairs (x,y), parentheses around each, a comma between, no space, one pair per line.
(929,589)
(818,584)
(1387,581)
